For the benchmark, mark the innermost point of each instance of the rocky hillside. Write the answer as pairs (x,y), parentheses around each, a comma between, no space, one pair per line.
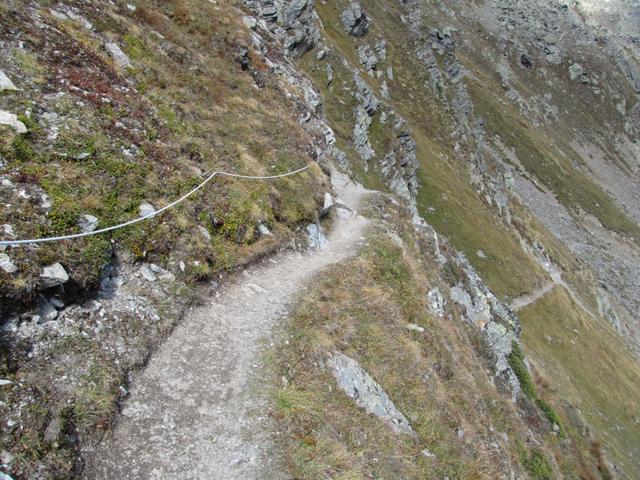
(497,303)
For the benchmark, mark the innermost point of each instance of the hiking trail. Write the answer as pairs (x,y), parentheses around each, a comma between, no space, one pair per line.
(197,410)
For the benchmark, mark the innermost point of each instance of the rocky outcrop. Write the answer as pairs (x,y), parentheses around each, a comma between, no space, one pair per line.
(367,106)
(366,392)
(355,20)
(497,324)
(297,18)
(400,165)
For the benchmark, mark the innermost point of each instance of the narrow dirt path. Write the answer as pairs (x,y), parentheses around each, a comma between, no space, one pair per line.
(197,411)
(525,300)
(556,281)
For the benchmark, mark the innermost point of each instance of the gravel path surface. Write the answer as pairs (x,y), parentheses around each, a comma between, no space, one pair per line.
(196,411)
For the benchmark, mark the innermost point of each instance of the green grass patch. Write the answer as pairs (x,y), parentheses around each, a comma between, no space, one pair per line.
(516,361)
(536,464)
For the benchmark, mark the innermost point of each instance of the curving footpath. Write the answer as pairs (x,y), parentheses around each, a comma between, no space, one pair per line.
(198,411)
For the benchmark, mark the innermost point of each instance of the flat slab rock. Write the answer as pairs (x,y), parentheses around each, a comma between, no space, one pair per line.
(366,392)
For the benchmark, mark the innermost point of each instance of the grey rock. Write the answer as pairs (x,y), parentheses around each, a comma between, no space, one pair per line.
(53,275)
(52,432)
(88,223)
(11,120)
(47,311)
(147,273)
(384,90)
(415,328)
(576,72)
(6,264)
(329,74)
(365,95)
(146,209)
(426,453)
(399,166)
(355,20)
(121,58)
(317,238)
(205,233)
(381,49)
(367,58)
(328,201)
(437,302)
(263,230)
(250,22)
(322,53)
(6,458)
(367,393)
(361,134)
(4,382)
(6,83)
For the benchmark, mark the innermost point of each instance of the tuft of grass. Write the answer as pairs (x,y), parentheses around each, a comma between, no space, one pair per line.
(95,401)
(537,465)
(291,400)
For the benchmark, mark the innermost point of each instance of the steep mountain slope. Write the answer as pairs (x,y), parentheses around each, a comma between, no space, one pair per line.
(503,139)
(521,124)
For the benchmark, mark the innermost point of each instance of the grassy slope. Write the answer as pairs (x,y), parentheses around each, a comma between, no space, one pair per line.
(185,108)
(435,378)
(588,365)
(459,213)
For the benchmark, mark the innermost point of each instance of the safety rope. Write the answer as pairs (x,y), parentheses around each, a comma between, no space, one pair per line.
(150,215)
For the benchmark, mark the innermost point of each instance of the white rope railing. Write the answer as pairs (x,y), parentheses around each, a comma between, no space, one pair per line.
(150,215)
